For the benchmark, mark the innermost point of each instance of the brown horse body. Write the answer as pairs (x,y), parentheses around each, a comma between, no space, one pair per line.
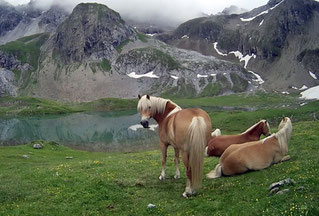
(255,155)
(218,144)
(186,130)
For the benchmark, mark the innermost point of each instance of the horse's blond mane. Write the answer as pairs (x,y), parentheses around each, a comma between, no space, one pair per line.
(284,134)
(157,104)
(249,129)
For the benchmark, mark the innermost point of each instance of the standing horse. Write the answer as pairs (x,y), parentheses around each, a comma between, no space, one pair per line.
(219,143)
(255,155)
(187,130)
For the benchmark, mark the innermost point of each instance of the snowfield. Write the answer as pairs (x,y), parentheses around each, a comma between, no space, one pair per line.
(312,93)
(261,13)
(137,76)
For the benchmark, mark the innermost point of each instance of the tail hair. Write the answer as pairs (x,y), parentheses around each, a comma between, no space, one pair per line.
(217,172)
(197,142)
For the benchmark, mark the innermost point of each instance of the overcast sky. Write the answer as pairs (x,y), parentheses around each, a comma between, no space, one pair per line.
(181,10)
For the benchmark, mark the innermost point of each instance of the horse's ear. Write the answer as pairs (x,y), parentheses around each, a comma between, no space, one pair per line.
(139,96)
(148,97)
(283,117)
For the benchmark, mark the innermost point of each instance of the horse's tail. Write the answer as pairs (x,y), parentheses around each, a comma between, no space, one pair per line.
(197,142)
(217,172)
(216,133)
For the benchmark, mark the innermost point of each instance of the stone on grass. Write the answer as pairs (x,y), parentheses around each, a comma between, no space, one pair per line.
(283,191)
(37,146)
(281,183)
(151,205)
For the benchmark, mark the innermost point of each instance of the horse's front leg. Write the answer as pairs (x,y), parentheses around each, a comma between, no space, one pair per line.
(164,155)
(177,172)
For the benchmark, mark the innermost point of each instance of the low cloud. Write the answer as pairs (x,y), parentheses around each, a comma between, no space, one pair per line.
(171,11)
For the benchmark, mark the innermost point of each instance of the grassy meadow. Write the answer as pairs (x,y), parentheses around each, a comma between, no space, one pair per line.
(99,183)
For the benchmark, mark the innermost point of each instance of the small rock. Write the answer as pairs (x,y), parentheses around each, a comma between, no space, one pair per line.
(274,190)
(301,188)
(151,205)
(111,206)
(283,191)
(37,146)
(25,156)
(282,182)
(69,157)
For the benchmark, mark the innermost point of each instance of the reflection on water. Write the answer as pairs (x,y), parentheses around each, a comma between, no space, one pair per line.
(111,131)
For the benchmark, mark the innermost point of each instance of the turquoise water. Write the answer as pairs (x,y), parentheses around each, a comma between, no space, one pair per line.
(101,131)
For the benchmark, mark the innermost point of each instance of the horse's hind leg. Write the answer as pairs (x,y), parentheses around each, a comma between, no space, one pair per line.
(188,190)
(177,172)
(164,155)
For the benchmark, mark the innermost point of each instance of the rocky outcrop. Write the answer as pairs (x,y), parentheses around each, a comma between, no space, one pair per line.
(91,32)
(10,62)
(9,18)
(7,87)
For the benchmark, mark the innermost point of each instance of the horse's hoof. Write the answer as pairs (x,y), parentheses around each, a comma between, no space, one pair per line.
(186,195)
(161,177)
(177,176)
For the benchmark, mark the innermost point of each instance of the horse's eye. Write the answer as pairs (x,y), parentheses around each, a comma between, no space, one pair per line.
(149,107)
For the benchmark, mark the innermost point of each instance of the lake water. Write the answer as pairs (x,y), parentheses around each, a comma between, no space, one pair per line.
(102,131)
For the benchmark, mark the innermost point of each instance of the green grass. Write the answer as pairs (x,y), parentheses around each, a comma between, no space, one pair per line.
(120,47)
(211,90)
(124,184)
(26,49)
(36,106)
(32,106)
(142,37)
(108,104)
(257,100)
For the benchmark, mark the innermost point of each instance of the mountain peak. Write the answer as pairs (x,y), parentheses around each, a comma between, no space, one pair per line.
(92,31)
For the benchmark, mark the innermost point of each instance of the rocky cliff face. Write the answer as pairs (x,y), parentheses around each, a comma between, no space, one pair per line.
(9,18)
(92,31)
(7,86)
(282,36)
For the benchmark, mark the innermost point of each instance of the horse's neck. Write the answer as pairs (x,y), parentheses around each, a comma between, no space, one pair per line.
(255,132)
(159,117)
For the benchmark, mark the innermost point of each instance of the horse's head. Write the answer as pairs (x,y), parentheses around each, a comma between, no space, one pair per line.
(266,128)
(144,106)
(283,122)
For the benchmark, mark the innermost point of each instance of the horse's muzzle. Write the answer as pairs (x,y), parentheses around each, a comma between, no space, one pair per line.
(144,123)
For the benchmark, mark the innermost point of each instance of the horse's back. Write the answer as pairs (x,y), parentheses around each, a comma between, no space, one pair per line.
(183,119)
(247,156)
(217,145)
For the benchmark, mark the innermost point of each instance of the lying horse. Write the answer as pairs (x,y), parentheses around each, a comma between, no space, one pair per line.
(219,143)
(255,155)
(187,130)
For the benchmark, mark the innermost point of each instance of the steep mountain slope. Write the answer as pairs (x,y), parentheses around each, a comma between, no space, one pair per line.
(26,20)
(280,40)
(94,54)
